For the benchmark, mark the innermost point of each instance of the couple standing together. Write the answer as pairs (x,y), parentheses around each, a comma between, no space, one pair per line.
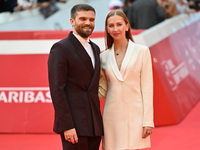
(79,75)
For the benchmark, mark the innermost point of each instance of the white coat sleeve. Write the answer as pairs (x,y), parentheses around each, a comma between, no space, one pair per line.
(147,89)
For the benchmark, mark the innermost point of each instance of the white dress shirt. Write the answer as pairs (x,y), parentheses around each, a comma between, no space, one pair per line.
(87,47)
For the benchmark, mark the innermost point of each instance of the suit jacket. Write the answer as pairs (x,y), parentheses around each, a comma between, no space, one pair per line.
(143,14)
(129,101)
(74,87)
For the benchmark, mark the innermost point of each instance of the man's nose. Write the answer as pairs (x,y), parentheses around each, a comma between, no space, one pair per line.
(87,21)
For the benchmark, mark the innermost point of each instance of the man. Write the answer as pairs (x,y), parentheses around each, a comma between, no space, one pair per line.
(170,8)
(143,14)
(74,69)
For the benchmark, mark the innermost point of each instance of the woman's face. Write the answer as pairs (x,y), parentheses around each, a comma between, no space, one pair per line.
(117,27)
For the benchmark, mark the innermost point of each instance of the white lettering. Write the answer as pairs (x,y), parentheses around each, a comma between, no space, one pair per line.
(48,95)
(3,97)
(39,97)
(29,97)
(12,96)
(170,64)
(181,74)
(25,95)
(176,78)
(21,97)
(184,72)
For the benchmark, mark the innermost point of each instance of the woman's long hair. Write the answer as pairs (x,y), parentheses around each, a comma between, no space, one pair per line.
(108,39)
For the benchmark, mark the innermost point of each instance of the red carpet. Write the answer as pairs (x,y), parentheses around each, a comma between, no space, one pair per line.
(184,136)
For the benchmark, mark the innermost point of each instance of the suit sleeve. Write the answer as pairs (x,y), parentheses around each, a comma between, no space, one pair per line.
(147,89)
(57,72)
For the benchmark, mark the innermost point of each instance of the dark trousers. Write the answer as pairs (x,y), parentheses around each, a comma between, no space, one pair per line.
(84,143)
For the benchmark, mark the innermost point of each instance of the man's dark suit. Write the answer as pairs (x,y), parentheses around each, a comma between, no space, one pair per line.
(74,87)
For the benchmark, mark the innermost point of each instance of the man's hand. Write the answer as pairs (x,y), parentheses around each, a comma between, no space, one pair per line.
(71,136)
(147,131)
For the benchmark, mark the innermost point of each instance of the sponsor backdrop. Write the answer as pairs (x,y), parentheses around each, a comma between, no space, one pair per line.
(25,102)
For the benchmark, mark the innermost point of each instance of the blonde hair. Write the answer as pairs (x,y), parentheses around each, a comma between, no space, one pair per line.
(108,39)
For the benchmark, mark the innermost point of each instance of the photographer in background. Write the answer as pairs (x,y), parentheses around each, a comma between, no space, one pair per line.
(169,8)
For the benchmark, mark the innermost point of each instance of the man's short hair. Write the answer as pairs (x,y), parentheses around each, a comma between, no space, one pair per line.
(80,7)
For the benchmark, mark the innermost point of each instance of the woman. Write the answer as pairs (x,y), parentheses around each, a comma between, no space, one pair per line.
(126,75)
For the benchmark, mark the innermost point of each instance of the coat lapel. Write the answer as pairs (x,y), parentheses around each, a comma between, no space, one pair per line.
(97,64)
(127,57)
(82,53)
(96,55)
(119,73)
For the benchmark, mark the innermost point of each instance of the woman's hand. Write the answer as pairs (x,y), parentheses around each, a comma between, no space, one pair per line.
(147,131)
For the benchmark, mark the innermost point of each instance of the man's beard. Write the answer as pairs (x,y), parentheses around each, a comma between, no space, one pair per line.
(84,33)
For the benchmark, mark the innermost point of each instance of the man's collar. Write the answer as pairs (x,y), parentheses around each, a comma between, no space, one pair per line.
(82,40)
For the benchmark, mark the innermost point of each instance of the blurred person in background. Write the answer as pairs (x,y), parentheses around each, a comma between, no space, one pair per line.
(126,82)
(62,1)
(48,7)
(44,3)
(169,8)
(7,5)
(74,70)
(25,5)
(182,6)
(143,14)
(115,4)
(194,4)
(126,5)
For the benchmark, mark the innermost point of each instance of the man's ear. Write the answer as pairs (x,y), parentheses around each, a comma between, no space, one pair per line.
(72,21)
